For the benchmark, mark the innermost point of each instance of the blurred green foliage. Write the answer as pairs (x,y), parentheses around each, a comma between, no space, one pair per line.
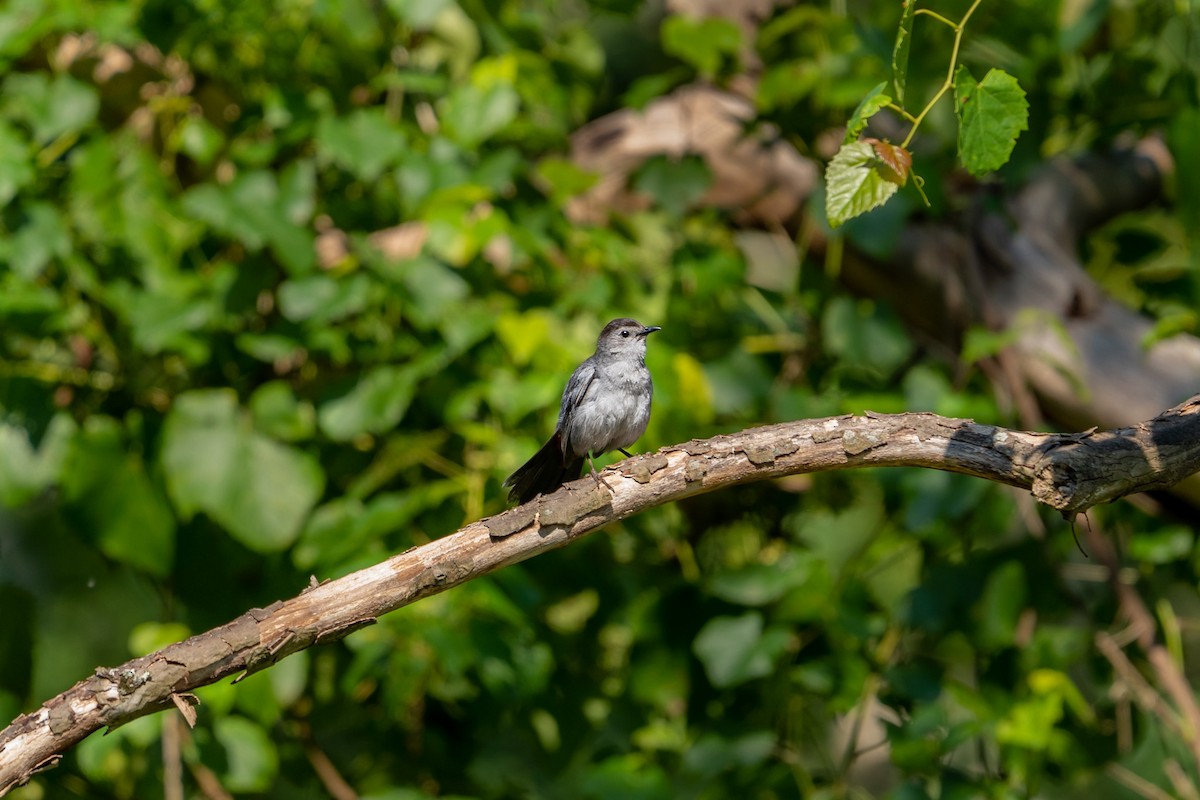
(217,380)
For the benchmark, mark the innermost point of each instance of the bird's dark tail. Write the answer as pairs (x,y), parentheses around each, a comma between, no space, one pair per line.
(542,474)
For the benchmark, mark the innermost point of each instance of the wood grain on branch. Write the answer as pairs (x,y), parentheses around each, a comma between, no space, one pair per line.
(1087,358)
(1070,473)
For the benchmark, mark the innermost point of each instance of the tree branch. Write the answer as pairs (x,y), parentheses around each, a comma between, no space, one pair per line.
(1068,472)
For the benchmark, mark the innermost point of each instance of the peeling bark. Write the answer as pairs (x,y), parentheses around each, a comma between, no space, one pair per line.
(1070,473)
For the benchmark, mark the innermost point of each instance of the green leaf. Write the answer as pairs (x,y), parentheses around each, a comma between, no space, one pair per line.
(250,210)
(734,650)
(168,319)
(41,239)
(365,142)
(24,472)
(839,536)
(420,14)
(1001,605)
(251,761)
(279,413)
(855,182)
(701,42)
(714,754)
(374,405)
(199,139)
(16,165)
(261,491)
(991,113)
(629,776)
(675,184)
(433,289)
(112,497)
(1170,544)
(870,105)
(1183,138)
(473,115)
(322,299)
(150,636)
(51,106)
(902,47)
(562,179)
(760,584)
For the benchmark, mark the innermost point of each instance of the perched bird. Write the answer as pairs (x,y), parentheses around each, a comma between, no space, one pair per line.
(605,406)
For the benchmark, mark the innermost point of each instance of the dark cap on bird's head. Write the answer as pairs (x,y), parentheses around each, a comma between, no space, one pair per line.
(625,328)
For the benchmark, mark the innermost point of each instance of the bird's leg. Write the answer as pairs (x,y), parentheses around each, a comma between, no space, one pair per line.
(595,475)
(624,452)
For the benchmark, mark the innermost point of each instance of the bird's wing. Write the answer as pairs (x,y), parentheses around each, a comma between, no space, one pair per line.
(577,388)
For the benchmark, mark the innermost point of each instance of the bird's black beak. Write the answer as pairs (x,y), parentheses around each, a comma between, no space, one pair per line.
(649,329)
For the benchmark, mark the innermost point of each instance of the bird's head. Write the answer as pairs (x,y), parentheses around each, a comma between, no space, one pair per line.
(624,336)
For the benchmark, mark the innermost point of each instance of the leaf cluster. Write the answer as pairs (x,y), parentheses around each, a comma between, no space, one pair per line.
(287,287)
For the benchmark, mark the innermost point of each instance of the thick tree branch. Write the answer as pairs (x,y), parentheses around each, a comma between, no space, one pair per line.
(1068,472)
(1084,355)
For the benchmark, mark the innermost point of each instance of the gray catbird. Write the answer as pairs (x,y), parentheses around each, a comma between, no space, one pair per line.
(605,406)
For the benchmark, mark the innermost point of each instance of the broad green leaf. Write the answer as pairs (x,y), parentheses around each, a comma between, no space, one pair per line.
(1183,136)
(251,211)
(321,299)
(24,471)
(1001,605)
(51,106)
(631,776)
(701,42)
(105,759)
(870,105)
(896,573)
(150,636)
(151,225)
(734,650)
(199,139)
(112,498)
(855,183)
(433,289)
(473,115)
(524,335)
(94,180)
(839,536)
(902,47)
(420,14)
(251,761)
(570,614)
(695,392)
(16,163)
(714,754)
(375,404)
(865,335)
(1171,543)
(170,319)
(365,142)
(279,413)
(562,179)
(258,489)
(991,114)
(23,25)
(41,239)
(675,184)
(760,584)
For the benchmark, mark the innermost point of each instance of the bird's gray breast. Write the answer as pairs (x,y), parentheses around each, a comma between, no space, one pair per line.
(613,413)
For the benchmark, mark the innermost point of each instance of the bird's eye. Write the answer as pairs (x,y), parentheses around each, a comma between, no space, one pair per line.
(624,334)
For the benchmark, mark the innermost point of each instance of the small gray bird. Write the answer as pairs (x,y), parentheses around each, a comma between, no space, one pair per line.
(605,406)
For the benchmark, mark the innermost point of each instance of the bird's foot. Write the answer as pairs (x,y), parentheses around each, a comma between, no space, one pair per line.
(596,476)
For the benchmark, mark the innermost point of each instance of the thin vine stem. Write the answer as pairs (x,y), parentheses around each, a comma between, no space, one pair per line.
(949,82)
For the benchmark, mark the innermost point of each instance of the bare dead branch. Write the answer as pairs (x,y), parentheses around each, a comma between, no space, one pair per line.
(1068,472)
